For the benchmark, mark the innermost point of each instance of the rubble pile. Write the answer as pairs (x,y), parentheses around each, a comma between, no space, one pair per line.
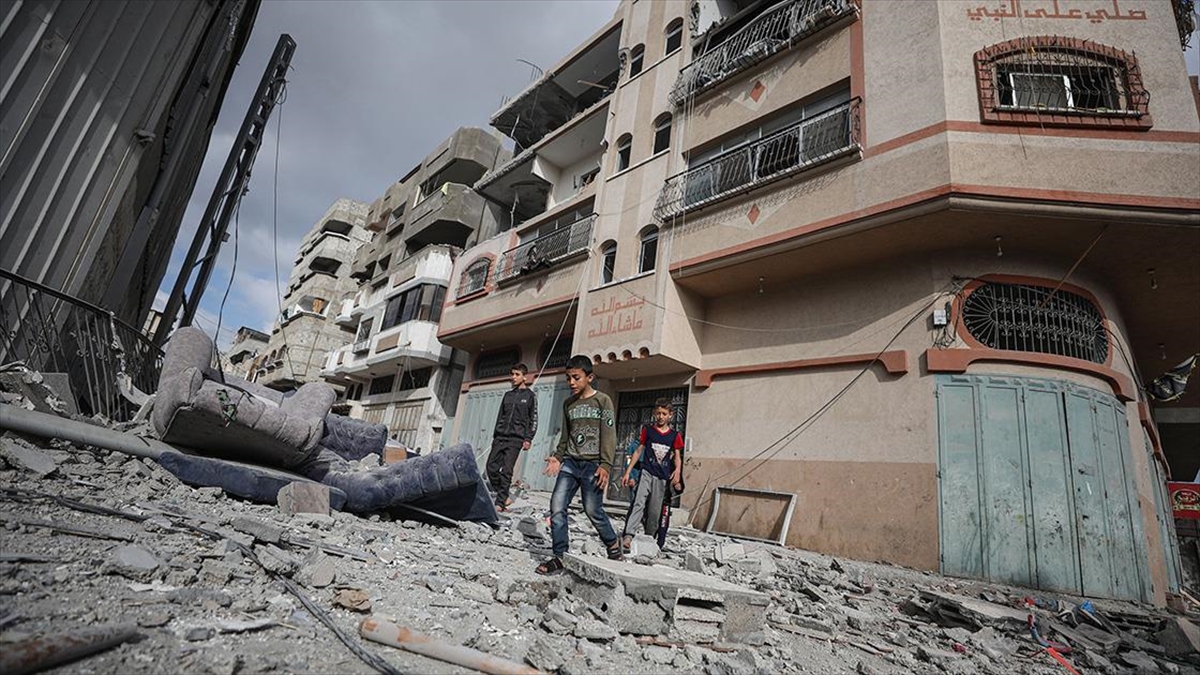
(196,581)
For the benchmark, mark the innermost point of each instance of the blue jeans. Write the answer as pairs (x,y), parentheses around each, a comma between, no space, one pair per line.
(576,475)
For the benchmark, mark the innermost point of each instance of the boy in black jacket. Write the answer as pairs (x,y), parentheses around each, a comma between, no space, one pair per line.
(516,425)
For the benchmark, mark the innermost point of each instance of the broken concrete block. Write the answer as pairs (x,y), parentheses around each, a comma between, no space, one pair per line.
(595,630)
(318,570)
(729,551)
(303,497)
(474,591)
(645,599)
(1180,637)
(546,654)
(692,562)
(558,621)
(133,562)
(643,545)
(262,531)
(1141,661)
(29,459)
(276,559)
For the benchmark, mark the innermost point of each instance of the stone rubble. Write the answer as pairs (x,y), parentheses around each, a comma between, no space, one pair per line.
(704,604)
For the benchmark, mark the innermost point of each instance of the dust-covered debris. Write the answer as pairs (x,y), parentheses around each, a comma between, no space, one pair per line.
(208,580)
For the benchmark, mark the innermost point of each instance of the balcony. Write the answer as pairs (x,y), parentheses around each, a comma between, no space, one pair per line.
(413,344)
(447,216)
(545,251)
(434,263)
(770,33)
(811,142)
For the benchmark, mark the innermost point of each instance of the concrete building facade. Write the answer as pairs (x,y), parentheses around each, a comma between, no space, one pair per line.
(305,330)
(902,265)
(105,118)
(248,344)
(391,364)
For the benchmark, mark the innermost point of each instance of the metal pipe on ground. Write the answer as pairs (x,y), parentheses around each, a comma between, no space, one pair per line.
(53,426)
(387,633)
(42,653)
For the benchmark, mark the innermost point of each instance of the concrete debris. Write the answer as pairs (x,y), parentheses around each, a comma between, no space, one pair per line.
(26,457)
(303,497)
(220,602)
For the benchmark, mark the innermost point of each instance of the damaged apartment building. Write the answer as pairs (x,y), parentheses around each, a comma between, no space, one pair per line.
(391,364)
(905,268)
(305,330)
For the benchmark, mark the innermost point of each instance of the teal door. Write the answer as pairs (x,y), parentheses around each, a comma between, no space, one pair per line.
(479,421)
(1036,487)
(1166,521)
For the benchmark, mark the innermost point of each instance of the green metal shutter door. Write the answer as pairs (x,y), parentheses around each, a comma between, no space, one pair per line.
(479,421)
(550,418)
(1036,487)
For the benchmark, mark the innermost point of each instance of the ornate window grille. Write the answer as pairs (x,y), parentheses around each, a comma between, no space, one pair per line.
(474,278)
(1057,81)
(495,364)
(1019,317)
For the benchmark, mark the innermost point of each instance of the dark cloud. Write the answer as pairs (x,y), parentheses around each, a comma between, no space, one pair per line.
(374,87)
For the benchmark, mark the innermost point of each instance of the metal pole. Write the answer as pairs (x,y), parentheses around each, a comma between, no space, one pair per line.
(385,632)
(228,191)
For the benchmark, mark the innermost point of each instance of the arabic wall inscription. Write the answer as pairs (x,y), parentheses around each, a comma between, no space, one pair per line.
(1094,11)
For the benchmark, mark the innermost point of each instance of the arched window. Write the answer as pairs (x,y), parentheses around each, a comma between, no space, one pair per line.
(497,363)
(662,133)
(555,354)
(674,35)
(624,144)
(1042,319)
(1060,81)
(608,261)
(637,56)
(648,256)
(474,278)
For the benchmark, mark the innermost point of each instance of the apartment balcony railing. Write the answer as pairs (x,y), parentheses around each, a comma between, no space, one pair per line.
(772,32)
(546,250)
(810,142)
(361,347)
(50,331)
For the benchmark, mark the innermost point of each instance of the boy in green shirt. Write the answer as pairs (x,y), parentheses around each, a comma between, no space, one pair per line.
(582,462)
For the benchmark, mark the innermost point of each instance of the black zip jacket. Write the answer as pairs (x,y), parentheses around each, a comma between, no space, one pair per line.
(518,415)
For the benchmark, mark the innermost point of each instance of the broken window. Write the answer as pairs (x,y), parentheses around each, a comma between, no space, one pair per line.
(637,57)
(674,36)
(382,385)
(624,147)
(648,257)
(608,261)
(662,133)
(415,379)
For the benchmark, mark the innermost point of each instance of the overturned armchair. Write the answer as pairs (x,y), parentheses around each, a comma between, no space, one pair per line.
(224,427)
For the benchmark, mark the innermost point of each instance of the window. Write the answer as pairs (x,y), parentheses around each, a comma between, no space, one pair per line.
(419,303)
(674,36)
(608,261)
(1026,318)
(474,278)
(382,385)
(662,133)
(1058,81)
(497,363)
(555,354)
(624,144)
(415,379)
(648,257)
(637,57)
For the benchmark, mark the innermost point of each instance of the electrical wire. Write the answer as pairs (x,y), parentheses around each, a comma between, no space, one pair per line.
(777,446)
(280,99)
(237,213)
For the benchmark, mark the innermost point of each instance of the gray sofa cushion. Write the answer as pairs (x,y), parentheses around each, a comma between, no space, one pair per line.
(353,439)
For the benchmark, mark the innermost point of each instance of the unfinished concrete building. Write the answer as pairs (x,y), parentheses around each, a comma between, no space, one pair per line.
(305,332)
(394,369)
(902,318)
(105,119)
(248,344)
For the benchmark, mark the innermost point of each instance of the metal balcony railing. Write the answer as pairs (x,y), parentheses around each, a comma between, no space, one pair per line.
(543,252)
(52,332)
(808,143)
(772,32)
(361,347)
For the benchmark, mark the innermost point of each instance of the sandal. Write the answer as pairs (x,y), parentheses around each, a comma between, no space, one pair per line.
(626,543)
(551,566)
(614,551)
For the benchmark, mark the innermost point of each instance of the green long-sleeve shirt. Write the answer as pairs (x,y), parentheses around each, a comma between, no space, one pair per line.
(588,430)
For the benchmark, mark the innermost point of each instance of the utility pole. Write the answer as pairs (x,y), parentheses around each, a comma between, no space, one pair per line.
(214,225)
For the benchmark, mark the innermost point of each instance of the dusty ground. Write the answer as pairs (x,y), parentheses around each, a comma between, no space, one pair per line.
(202,577)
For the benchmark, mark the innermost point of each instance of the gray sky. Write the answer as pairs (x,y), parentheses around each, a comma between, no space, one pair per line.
(375,85)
